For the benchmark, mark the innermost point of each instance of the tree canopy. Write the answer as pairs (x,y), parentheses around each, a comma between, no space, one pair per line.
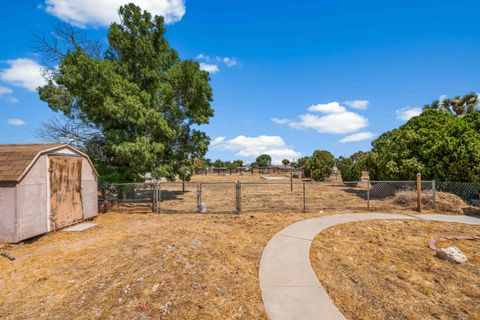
(351,167)
(263,160)
(439,145)
(319,165)
(285,162)
(140,96)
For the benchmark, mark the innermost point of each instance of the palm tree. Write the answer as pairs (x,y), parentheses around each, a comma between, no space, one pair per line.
(458,106)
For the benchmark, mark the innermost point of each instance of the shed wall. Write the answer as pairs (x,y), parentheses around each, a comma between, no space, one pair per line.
(32,201)
(89,190)
(7,211)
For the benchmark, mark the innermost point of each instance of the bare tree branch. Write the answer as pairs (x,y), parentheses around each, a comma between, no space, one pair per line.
(63,39)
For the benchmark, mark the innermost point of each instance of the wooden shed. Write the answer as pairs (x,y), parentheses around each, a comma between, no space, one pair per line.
(44,187)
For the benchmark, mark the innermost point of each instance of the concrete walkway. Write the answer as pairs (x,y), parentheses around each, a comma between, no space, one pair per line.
(290,288)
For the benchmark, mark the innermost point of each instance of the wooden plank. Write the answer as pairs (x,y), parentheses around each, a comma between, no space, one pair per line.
(65,191)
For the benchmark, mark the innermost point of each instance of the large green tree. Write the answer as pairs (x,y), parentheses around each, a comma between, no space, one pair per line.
(351,167)
(319,165)
(439,145)
(140,96)
(263,160)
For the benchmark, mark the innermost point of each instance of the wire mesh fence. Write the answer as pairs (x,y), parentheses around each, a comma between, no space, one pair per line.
(292,196)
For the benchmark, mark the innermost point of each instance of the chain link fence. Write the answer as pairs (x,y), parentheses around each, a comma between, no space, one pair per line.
(293,196)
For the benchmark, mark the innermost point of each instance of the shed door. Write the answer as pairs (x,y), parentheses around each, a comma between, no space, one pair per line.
(65,191)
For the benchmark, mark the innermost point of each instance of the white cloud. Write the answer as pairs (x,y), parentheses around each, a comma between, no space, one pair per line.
(337,120)
(84,13)
(215,61)
(280,121)
(331,107)
(360,136)
(201,56)
(358,104)
(336,123)
(4,90)
(16,122)
(252,147)
(24,73)
(408,112)
(211,68)
(229,62)
(217,141)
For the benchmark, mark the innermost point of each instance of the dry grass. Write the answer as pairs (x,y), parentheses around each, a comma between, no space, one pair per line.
(143,266)
(444,202)
(385,270)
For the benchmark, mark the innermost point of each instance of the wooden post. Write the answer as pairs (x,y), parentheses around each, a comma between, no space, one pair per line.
(419,192)
(239,198)
(368,195)
(199,196)
(304,199)
(291,181)
(183,185)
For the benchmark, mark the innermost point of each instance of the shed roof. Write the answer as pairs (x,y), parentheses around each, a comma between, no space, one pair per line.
(16,159)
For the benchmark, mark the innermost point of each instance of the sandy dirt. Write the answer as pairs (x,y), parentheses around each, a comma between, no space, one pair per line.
(385,270)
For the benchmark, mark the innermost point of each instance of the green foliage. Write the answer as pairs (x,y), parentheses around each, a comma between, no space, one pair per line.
(264,160)
(301,162)
(228,164)
(320,165)
(458,106)
(285,162)
(439,145)
(142,98)
(351,168)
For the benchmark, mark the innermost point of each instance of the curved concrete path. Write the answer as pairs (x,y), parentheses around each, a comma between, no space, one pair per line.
(290,288)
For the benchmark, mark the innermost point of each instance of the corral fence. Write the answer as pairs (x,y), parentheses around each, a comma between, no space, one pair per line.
(213,171)
(292,196)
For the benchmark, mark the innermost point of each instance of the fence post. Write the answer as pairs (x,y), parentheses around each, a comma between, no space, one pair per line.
(183,185)
(239,198)
(419,192)
(159,198)
(291,182)
(433,194)
(199,196)
(304,199)
(154,199)
(368,195)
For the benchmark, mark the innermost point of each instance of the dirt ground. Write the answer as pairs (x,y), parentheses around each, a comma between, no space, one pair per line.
(143,266)
(385,270)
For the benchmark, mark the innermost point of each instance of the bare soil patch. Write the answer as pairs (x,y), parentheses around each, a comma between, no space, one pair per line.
(143,266)
(385,270)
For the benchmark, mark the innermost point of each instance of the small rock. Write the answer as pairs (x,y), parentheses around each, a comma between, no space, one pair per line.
(452,254)
(155,287)
(170,247)
(196,241)
(166,308)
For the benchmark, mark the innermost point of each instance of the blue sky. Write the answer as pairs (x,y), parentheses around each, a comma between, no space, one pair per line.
(275,66)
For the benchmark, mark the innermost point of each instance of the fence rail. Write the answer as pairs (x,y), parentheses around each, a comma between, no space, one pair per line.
(298,196)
